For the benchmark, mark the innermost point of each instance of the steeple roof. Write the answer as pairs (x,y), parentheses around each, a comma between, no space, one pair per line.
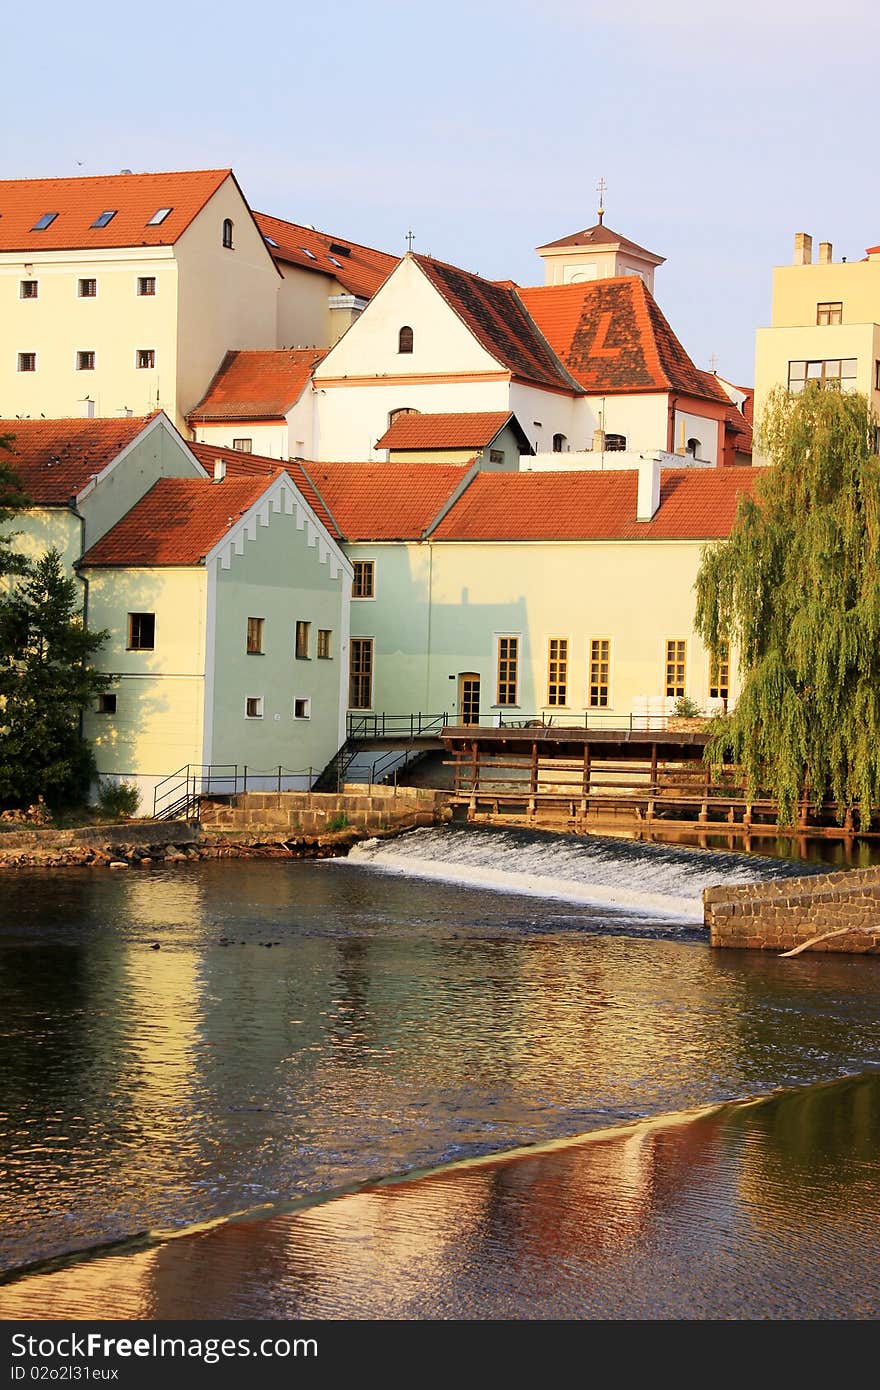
(599,236)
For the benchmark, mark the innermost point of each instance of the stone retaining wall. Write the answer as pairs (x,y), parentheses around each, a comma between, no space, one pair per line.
(363,807)
(783,914)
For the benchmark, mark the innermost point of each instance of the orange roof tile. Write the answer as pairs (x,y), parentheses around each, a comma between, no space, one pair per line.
(361,271)
(498,319)
(177,522)
(613,337)
(239,465)
(695,504)
(385,501)
(78,202)
(55,459)
(600,235)
(257,384)
(438,431)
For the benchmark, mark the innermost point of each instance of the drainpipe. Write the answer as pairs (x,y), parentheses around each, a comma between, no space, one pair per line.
(82,579)
(428,635)
(670,426)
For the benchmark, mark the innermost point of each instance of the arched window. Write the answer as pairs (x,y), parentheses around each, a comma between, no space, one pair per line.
(615,443)
(559,443)
(227,233)
(405,339)
(693,448)
(401,410)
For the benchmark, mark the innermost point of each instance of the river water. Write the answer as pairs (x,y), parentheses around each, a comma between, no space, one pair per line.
(181,1044)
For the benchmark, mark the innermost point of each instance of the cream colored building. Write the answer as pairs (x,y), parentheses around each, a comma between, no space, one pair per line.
(824,325)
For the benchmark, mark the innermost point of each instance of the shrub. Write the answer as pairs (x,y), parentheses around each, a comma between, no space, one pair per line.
(118,799)
(339,821)
(686,708)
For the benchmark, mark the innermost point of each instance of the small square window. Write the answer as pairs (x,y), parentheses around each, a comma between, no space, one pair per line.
(829,313)
(27,361)
(243,446)
(324,636)
(87,289)
(302,640)
(146,357)
(255,636)
(302,709)
(364,585)
(146,284)
(43,222)
(103,218)
(159,216)
(29,289)
(107,703)
(253,707)
(85,361)
(141,632)
(496,455)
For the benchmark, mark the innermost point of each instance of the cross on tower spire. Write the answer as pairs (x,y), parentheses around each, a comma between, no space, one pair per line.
(601,187)
(410,237)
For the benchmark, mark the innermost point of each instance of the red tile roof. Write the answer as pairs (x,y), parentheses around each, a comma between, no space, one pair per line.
(695,504)
(257,384)
(600,235)
(385,501)
(496,317)
(240,465)
(614,339)
(426,431)
(55,459)
(361,272)
(80,201)
(177,522)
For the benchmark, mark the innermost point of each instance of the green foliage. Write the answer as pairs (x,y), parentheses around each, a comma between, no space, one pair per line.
(12,499)
(686,708)
(796,589)
(338,822)
(118,799)
(45,684)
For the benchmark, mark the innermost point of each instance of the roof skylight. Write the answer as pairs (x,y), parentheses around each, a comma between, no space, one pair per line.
(104,218)
(311,255)
(270,240)
(43,222)
(159,216)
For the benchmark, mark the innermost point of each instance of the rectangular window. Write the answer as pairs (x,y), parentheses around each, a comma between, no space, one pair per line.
(28,289)
(146,357)
(158,216)
(508,670)
(496,455)
(253,707)
(85,361)
(43,222)
(302,640)
(557,671)
(600,670)
(255,636)
(719,674)
(836,373)
(829,313)
(243,446)
(676,650)
(146,285)
(104,217)
(364,585)
(360,676)
(302,709)
(324,636)
(87,289)
(141,632)
(27,361)
(107,703)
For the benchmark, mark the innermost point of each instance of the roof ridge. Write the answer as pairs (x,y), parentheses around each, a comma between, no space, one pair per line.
(120,174)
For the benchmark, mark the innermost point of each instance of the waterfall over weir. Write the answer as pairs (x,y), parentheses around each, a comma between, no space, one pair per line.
(629,876)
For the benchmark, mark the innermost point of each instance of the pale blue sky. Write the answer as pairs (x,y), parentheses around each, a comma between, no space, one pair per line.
(486,126)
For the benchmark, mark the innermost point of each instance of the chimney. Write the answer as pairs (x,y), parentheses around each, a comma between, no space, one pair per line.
(803,249)
(219,470)
(649,489)
(824,253)
(87,408)
(598,441)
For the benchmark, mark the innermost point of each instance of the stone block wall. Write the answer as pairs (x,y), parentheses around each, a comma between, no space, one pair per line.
(783,914)
(312,813)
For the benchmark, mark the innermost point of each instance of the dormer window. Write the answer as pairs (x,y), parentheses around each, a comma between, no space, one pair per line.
(159,216)
(401,410)
(405,339)
(43,222)
(104,218)
(227,233)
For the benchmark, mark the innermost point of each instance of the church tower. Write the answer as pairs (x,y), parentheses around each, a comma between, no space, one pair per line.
(596,253)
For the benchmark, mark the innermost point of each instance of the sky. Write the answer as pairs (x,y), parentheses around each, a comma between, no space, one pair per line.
(485,127)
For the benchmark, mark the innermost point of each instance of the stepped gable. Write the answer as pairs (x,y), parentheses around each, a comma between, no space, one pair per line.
(177,522)
(240,465)
(257,384)
(56,459)
(499,320)
(361,270)
(614,339)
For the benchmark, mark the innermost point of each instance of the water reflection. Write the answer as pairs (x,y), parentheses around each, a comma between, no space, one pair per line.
(768,1209)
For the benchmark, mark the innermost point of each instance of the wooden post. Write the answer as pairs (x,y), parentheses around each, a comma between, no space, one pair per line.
(585,790)
(533,780)
(704,809)
(653,788)
(475,763)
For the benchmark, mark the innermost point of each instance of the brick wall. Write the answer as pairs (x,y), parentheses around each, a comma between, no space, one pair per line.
(781,915)
(365,808)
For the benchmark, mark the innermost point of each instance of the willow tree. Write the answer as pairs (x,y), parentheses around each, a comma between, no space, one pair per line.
(796,591)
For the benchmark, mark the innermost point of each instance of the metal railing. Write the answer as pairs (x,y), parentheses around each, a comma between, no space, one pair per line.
(382,725)
(178,795)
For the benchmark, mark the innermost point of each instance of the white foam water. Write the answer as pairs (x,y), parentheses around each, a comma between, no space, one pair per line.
(633,877)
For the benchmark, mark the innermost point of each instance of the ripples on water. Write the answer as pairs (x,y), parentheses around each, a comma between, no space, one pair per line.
(392,1023)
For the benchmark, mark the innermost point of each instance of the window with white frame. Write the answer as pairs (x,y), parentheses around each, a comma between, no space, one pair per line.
(85,360)
(146,285)
(87,288)
(28,289)
(302,708)
(243,446)
(253,707)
